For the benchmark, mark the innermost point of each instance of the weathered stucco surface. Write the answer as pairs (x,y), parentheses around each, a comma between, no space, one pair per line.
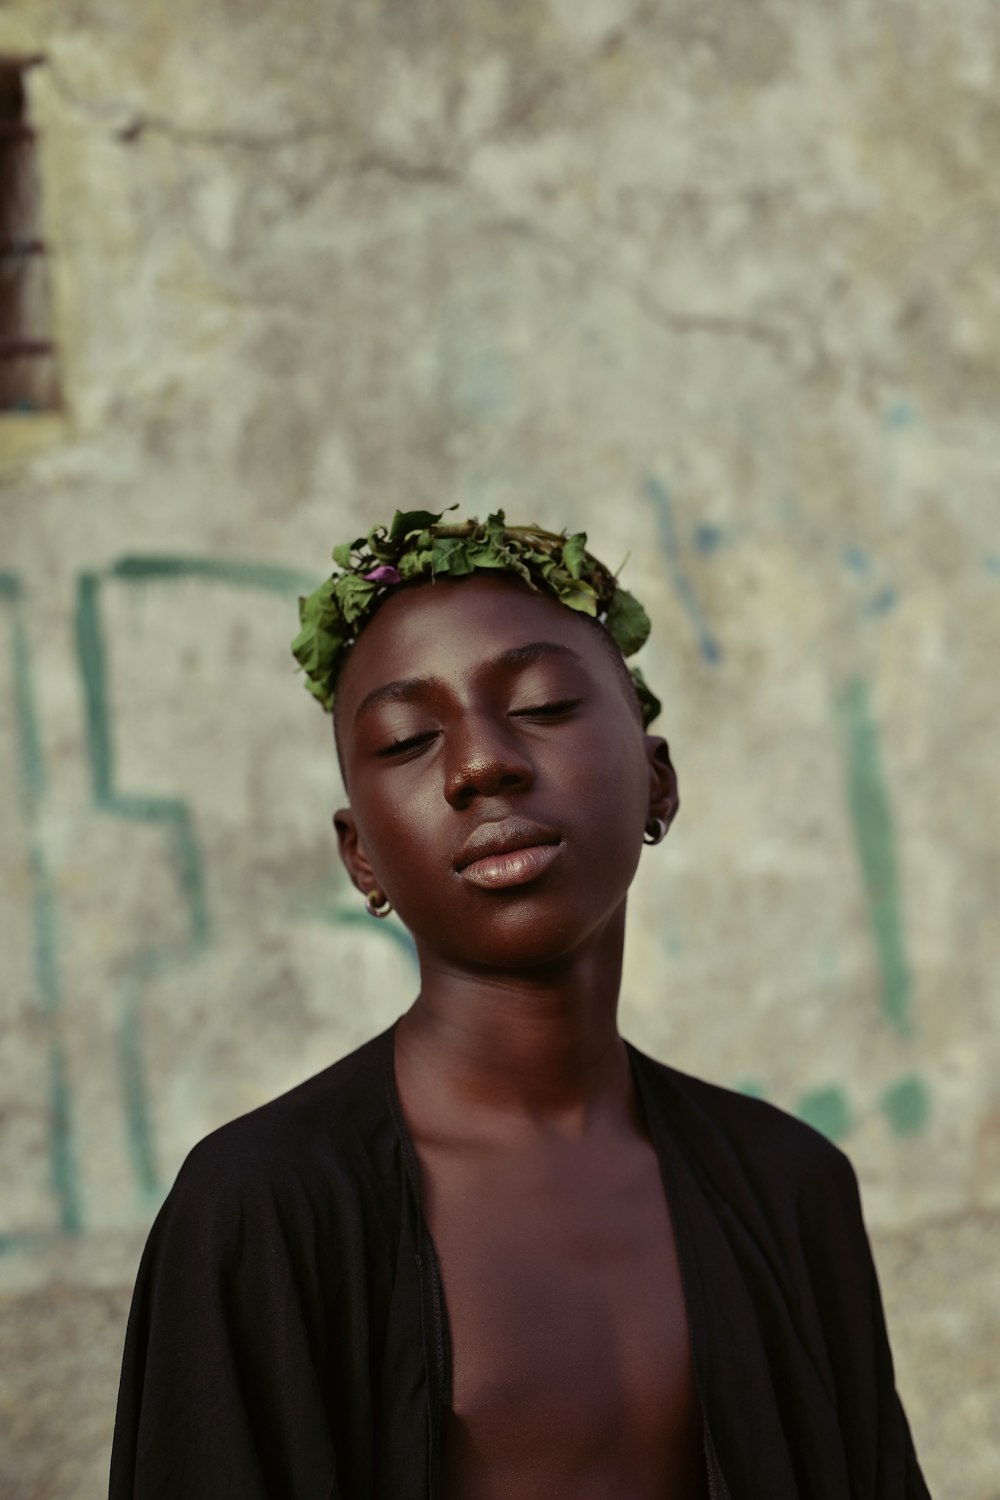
(718,282)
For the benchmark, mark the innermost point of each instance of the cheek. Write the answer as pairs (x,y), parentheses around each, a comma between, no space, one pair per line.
(611,778)
(402,839)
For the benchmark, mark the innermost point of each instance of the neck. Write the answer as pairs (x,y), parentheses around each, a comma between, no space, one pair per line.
(540,1046)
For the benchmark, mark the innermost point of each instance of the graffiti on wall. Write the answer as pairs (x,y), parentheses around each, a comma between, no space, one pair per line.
(904,1101)
(171,816)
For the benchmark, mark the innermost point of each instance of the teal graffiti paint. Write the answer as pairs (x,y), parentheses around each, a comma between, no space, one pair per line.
(91,658)
(907,1105)
(392,931)
(33,787)
(751,1088)
(826,1109)
(174,817)
(141,1144)
(238,573)
(64,1175)
(874,836)
(31,762)
(171,814)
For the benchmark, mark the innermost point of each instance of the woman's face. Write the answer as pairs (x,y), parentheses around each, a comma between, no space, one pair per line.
(499,778)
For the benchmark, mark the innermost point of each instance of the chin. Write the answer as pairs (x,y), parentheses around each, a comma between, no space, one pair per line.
(524,937)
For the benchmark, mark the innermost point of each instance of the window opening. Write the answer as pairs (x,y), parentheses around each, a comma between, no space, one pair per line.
(28,377)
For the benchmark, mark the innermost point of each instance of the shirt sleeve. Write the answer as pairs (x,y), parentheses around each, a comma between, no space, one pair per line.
(877,1437)
(222,1392)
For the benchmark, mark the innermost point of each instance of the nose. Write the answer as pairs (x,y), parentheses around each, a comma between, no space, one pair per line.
(483,760)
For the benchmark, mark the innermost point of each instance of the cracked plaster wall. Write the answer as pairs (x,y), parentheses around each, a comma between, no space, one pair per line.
(719,283)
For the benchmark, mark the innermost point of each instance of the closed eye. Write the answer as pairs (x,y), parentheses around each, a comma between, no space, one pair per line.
(546,710)
(409,742)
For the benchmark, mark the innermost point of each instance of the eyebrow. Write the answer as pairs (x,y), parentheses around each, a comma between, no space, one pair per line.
(408,689)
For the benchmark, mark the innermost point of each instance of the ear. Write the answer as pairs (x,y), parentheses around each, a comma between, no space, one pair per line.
(664,799)
(353,855)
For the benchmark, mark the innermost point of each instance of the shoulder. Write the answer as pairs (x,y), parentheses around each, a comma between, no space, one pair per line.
(312,1137)
(773,1150)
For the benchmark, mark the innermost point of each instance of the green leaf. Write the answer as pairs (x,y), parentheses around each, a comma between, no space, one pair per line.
(323,691)
(413,564)
(316,649)
(573,552)
(354,595)
(627,621)
(419,545)
(380,547)
(405,521)
(449,555)
(578,595)
(319,606)
(489,555)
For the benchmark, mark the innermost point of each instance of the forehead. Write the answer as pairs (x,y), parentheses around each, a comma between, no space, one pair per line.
(453,626)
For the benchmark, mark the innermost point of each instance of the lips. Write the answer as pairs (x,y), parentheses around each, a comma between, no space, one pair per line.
(509,852)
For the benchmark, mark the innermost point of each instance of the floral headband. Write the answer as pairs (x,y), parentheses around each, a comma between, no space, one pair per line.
(418,546)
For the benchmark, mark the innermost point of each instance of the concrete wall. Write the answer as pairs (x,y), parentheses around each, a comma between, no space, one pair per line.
(718,282)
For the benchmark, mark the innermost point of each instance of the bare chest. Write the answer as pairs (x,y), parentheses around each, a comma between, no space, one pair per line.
(571,1362)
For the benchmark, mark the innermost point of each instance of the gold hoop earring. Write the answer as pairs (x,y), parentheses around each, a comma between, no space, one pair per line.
(373,902)
(656,831)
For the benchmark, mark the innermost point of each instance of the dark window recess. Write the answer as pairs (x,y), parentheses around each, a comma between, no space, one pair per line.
(28,378)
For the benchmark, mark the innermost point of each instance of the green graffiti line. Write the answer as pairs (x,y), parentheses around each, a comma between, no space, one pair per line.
(174,817)
(874,836)
(171,814)
(826,1109)
(751,1087)
(392,931)
(264,577)
(907,1105)
(64,1175)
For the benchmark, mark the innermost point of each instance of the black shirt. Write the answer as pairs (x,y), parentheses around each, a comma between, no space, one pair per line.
(288,1338)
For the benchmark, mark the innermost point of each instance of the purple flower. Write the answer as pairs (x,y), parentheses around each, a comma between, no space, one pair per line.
(386,573)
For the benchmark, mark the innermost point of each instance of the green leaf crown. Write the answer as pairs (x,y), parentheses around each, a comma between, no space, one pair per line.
(417,545)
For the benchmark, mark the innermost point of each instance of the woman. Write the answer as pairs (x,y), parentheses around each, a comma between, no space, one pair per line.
(497,1251)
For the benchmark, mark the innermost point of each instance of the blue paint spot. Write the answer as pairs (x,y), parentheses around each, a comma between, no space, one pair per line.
(992,561)
(708,538)
(856,559)
(887,598)
(900,414)
(664,509)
